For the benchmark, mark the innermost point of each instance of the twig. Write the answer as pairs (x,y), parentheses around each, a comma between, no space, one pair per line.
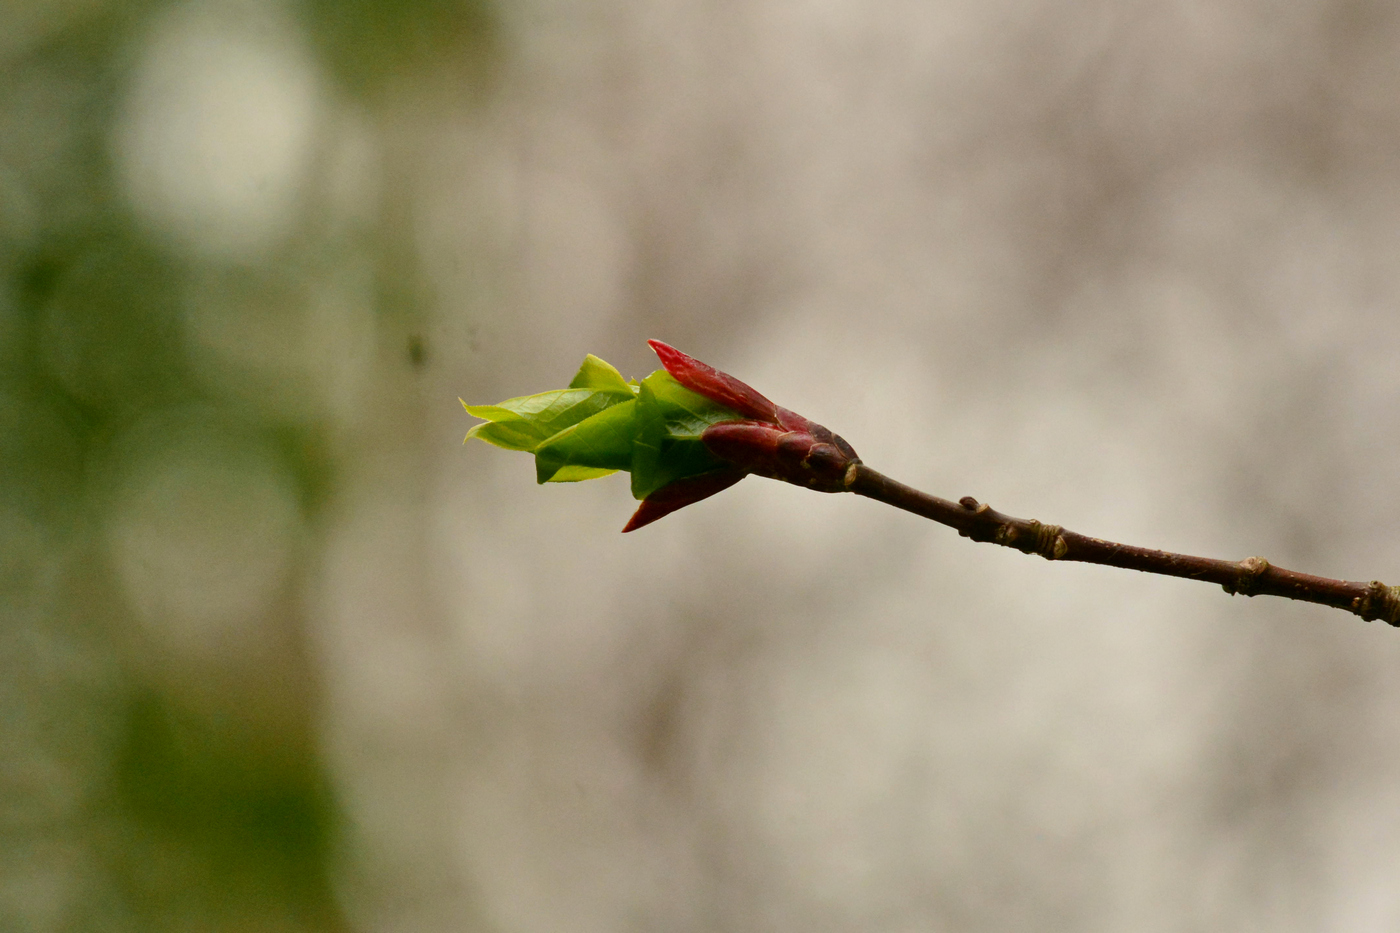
(1253,576)
(681,448)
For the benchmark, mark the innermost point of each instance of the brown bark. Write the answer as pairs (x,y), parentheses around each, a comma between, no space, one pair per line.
(1253,576)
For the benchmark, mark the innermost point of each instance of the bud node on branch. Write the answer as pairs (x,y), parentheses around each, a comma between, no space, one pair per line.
(1248,574)
(1378,602)
(1050,542)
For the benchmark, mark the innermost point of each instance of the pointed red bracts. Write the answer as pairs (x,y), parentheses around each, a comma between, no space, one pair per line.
(716,386)
(679,494)
(771,441)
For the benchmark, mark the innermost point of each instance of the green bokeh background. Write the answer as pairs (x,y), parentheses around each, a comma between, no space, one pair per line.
(155,776)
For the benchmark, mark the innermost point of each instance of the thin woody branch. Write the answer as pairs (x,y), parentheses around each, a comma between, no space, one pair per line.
(1253,576)
(689,431)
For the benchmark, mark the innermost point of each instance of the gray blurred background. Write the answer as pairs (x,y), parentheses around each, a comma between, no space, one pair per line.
(278,654)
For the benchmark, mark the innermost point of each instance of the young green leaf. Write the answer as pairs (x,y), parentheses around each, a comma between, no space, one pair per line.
(667,445)
(596,446)
(526,422)
(515,434)
(601,375)
(662,430)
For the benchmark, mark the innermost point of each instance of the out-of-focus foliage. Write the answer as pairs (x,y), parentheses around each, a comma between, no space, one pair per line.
(195,280)
(367,43)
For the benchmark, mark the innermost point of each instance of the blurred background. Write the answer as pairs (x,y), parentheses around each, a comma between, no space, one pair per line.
(278,654)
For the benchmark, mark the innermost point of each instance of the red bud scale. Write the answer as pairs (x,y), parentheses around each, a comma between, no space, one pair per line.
(770,441)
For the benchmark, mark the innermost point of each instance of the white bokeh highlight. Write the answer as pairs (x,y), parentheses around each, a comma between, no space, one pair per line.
(202,532)
(217,131)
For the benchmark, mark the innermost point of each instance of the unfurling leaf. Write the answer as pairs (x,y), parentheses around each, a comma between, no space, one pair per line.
(601,443)
(684,432)
(668,444)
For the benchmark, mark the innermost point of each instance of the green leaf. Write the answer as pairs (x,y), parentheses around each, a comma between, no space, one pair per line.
(602,376)
(526,422)
(577,474)
(667,446)
(491,412)
(602,423)
(512,435)
(602,442)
